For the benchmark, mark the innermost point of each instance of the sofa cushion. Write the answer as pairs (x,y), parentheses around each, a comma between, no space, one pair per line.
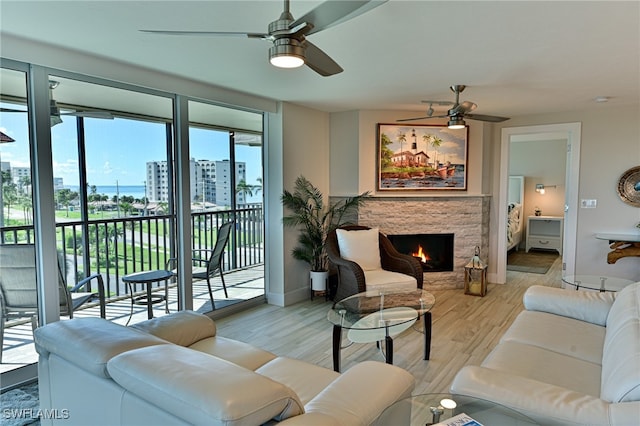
(378,280)
(240,353)
(202,389)
(90,343)
(545,366)
(362,393)
(306,380)
(560,334)
(360,246)
(182,328)
(589,306)
(621,352)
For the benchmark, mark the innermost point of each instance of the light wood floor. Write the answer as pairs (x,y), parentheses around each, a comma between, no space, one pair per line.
(465,329)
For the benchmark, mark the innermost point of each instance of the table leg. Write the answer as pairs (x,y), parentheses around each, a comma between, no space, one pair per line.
(130,294)
(337,342)
(149,304)
(166,297)
(388,340)
(426,318)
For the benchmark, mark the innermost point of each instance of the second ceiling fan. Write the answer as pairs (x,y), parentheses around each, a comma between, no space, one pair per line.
(458,112)
(290,47)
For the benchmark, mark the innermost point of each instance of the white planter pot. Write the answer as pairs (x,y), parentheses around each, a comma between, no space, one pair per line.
(319,280)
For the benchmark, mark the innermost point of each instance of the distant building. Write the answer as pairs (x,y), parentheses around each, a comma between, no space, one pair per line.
(210,181)
(18,173)
(58,184)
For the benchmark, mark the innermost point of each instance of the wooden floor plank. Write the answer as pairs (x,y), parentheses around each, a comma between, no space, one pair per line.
(465,329)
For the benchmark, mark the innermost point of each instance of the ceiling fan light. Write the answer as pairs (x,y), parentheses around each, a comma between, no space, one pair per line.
(286,53)
(456,123)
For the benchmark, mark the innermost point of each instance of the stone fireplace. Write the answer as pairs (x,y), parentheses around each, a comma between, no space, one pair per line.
(465,217)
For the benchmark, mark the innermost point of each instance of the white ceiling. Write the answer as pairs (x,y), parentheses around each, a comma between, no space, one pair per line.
(517,58)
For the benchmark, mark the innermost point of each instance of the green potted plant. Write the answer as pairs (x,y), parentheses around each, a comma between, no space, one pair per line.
(315,220)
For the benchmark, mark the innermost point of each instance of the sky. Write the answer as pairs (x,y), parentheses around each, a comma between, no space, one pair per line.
(116,150)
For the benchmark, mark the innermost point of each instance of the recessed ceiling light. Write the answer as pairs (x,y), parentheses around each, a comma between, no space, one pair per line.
(601,99)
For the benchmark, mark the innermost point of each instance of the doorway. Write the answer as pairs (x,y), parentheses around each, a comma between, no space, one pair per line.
(569,132)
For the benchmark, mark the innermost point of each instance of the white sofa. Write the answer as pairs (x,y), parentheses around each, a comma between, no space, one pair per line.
(176,370)
(570,358)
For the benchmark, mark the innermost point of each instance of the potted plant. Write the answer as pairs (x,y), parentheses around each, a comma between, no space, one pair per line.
(315,220)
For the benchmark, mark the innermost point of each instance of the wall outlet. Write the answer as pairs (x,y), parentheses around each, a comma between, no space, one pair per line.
(588,204)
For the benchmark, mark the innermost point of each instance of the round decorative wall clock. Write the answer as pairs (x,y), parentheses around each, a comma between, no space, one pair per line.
(629,186)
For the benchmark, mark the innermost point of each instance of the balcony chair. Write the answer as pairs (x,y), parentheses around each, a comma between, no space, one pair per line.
(18,294)
(367,261)
(207,268)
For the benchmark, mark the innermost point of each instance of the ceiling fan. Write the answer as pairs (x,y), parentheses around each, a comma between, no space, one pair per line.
(290,48)
(55,109)
(458,112)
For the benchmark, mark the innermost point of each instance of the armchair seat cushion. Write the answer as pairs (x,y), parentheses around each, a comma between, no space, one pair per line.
(383,280)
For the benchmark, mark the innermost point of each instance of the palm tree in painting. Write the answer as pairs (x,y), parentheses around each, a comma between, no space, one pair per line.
(402,137)
(435,143)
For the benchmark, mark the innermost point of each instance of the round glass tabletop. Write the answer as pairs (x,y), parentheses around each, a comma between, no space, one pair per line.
(596,282)
(446,409)
(394,309)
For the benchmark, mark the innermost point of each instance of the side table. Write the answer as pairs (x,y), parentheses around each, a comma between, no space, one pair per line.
(147,278)
(595,282)
(378,316)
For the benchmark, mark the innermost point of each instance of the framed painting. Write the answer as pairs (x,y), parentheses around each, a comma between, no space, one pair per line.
(417,157)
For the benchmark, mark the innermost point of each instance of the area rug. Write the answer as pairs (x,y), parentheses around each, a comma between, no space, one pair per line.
(20,406)
(535,262)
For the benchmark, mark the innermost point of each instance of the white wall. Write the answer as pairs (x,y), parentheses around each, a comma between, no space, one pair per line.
(305,152)
(610,145)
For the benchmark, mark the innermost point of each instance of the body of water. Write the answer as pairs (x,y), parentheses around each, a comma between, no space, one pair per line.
(135,191)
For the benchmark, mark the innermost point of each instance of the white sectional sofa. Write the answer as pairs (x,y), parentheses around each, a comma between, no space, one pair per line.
(570,358)
(175,370)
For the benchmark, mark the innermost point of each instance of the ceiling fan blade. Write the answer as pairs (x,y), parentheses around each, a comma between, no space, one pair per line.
(209,33)
(320,62)
(462,108)
(423,118)
(332,13)
(490,118)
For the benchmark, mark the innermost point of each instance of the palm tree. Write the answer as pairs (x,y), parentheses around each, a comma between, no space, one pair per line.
(315,219)
(402,137)
(435,143)
(244,189)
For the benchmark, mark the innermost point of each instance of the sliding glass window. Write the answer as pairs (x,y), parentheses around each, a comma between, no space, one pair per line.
(226,186)
(18,295)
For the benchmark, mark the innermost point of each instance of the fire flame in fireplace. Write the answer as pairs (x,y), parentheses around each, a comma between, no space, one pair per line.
(422,255)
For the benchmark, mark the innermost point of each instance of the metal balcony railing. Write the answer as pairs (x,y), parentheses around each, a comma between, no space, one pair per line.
(117,247)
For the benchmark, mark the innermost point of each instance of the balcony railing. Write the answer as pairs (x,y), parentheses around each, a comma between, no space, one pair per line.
(120,246)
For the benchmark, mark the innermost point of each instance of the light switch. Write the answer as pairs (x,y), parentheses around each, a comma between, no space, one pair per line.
(588,204)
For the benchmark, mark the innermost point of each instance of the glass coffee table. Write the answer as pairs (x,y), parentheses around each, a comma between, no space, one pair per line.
(595,282)
(446,409)
(377,316)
